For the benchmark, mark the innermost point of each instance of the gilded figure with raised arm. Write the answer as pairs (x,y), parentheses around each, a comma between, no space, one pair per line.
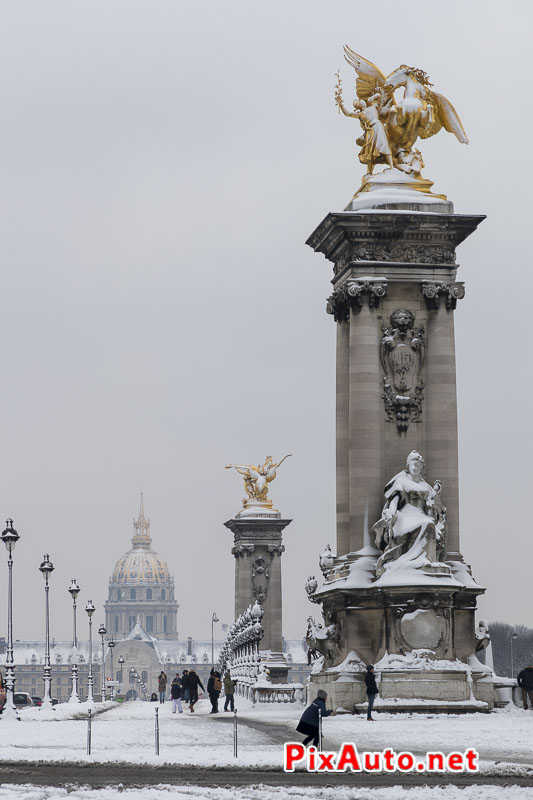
(258,478)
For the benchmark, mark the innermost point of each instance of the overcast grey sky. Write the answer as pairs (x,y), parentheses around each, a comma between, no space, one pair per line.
(162,164)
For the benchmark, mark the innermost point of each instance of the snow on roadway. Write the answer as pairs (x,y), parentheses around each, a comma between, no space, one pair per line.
(125,733)
(261,792)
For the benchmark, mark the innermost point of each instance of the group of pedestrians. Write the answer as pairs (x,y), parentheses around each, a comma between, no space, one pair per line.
(214,688)
(186,686)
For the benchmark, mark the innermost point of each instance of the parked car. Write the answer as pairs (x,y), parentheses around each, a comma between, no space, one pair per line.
(22,699)
(37,701)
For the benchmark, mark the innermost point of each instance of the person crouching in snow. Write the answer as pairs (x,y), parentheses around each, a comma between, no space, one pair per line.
(175,693)
(309,721)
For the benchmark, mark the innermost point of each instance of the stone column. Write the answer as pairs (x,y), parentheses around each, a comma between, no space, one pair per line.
(441,402)
(365,413)
(257,550)
(343,437)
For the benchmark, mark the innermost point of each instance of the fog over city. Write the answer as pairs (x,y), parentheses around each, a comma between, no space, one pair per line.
(162,165)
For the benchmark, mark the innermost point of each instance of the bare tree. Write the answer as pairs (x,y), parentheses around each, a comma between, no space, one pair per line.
(501,634)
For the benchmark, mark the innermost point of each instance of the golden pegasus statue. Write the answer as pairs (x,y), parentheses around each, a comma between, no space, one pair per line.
(392,126)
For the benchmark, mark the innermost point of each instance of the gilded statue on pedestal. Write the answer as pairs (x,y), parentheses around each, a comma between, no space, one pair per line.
(258,478)
(391,126)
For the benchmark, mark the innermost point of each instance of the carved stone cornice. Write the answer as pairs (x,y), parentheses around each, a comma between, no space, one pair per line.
(352,294)
(388,237)
(434,290)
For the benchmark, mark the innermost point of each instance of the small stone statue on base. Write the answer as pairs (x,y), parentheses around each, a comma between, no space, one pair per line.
(412,529)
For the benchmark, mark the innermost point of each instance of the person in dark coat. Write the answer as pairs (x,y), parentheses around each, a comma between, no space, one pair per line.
(162,685)
(185,684)
(229,691)
(214,686)
(193,682)
(371,690)
(309,720)
(525,681)
(175,693)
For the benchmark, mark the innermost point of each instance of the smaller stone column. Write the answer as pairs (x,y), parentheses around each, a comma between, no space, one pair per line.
(257,548)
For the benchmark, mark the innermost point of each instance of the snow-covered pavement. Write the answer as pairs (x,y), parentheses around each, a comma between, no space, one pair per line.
(125,733)
(261,792)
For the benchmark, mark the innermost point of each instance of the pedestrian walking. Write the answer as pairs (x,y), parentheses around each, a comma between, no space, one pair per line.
(153,697)
(525,681)
(162,686)
(229,691)
(175,693)
(185,684)
(193,682)
(309,721)
(371,690)
(214,687)
(2,693)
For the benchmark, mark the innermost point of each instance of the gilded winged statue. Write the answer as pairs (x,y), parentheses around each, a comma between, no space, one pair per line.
(392,126)
(258,478)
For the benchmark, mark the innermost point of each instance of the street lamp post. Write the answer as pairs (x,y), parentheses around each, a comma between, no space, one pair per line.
(10,537)
(133,678)
(74,591)
(46,569)
(102,631)
(121,663)
(111,645)
(513,637)
(90,609)
(214,619)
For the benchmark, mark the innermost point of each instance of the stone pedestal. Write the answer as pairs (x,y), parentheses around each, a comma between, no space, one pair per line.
(258,549)
(395,291)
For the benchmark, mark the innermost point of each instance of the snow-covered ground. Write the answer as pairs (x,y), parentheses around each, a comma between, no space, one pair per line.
(125,733)
(261,792)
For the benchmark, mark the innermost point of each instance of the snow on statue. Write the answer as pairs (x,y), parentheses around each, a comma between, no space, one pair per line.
(412,529)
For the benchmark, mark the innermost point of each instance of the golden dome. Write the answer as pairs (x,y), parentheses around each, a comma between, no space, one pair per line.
(141,563)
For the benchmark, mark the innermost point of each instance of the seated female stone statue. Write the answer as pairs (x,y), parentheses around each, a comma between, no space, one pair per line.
(412,529)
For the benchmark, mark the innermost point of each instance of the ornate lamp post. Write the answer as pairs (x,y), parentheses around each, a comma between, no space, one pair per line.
(111,645)
(47,568)
(214,619)
(133,678)
(10,537)
(102,631)
(90,609)
(74,591)
(121,663)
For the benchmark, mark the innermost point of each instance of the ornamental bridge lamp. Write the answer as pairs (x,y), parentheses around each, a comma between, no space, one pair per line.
(112,644)
(102,630)
(90,609)
(46,569)
(10,537)
(74,591)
